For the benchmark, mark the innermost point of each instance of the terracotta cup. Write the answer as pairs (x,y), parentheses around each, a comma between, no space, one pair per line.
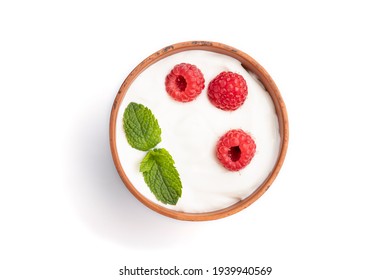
(248,63)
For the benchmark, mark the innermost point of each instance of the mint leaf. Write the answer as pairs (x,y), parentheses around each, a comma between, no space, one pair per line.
(161,176)
(141,127)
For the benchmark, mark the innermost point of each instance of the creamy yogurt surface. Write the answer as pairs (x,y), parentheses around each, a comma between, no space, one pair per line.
(190,132)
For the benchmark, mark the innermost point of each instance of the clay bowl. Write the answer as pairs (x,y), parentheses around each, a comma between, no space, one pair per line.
(248,63)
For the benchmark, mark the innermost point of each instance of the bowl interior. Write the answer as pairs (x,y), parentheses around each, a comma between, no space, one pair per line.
(251,66)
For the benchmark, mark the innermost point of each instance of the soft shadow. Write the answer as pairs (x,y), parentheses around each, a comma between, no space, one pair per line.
(101,199)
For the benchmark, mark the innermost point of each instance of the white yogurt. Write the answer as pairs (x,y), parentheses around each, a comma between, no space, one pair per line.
(191,130)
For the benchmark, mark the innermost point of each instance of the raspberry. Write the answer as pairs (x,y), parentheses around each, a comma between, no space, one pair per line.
(235,149)
(185,82)
(227,91)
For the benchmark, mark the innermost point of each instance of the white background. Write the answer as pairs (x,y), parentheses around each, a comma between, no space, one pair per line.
(65,213)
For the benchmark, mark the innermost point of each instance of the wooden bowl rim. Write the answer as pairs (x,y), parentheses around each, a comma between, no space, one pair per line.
(248,63)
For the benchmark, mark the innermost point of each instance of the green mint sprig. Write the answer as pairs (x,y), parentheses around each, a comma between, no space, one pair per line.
(144,133)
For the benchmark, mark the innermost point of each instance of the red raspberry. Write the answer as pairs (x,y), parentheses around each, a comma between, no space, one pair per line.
(185,82)
(227,91)
(235,149)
